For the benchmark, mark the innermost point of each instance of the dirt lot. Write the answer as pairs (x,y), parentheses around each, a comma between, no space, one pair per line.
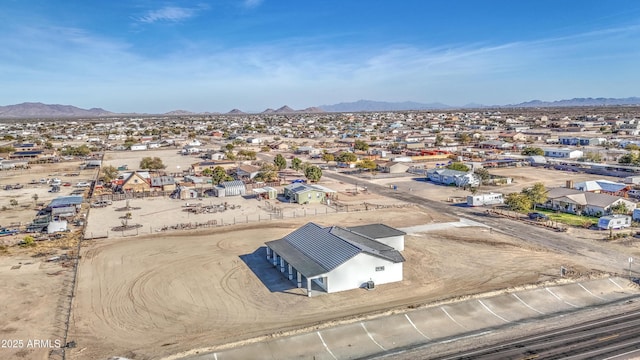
(27,206)
(34,299)
(157,295)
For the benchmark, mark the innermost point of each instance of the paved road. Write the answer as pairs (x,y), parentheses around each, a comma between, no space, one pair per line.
(563,243)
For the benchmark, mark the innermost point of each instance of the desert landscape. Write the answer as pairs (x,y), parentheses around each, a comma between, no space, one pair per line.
(157,291)
(152,296)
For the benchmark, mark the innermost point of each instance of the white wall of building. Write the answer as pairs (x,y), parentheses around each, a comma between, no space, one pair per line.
(396,242)
(357,271)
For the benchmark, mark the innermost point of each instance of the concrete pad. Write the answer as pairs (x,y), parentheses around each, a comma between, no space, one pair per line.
(509,307)
(472,315)
(350,341)
(610,288)
(300,346)
(577,295)
(421,326)
(434,323)
(543,301)
(394,331)
(253,351)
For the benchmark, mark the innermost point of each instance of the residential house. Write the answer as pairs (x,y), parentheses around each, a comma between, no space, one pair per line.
(247,172)
(563,153)
(305,194)
(136,181)
(588,203)
(392,167)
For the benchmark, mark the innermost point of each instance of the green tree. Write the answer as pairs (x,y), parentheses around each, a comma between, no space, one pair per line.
(620,208)
(296,164)
(229,147)
(265,149)
(109,173)
(13,202)
(207,172)
(530,151)
(313,173)
(347,157)
(593,157)
(152,163)
(360,145)
(458,166)
(219,175)
(632,147)
(268,172)
(280,162)
(629,158)
(537,194)
(326,157)
(518,202)
(230,155)
(7,149)
(464,138)
(367,164)
(483,174)
(439,140)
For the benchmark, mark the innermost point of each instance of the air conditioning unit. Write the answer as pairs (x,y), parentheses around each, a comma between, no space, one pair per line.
(370,285)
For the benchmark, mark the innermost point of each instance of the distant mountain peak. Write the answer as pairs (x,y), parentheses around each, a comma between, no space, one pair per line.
(285,109)
(236,111)
(38,109)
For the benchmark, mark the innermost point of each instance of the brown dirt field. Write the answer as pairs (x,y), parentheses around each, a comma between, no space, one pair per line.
(154,296)
(34,299)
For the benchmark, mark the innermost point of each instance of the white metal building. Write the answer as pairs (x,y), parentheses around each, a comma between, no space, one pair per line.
(337,258)
(230,188)
(563,153)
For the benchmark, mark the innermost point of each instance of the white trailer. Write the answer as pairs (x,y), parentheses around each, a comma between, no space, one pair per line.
(614,222)
(485,199)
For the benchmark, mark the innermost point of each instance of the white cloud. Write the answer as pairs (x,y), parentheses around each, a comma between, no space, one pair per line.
(169,13)
(251,3)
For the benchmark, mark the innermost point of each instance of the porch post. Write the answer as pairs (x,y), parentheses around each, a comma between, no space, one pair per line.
(299,279)
(308,287)
(290,272)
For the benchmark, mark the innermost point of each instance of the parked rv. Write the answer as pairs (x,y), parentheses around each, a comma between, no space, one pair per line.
(614,222)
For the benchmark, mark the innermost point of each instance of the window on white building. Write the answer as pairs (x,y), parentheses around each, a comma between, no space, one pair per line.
(379,268)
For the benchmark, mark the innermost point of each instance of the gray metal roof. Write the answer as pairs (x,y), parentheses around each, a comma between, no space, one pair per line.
(64,201)
(302,263)
(368,245)
(315,250)
(232,184)
(320,245)
(376,231)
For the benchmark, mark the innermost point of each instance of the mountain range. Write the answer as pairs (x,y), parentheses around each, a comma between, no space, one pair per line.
(40,110)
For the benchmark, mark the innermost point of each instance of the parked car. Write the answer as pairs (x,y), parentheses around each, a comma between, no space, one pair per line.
(83,184)
(634,194)
(66,184)
(538,216)
(101,203)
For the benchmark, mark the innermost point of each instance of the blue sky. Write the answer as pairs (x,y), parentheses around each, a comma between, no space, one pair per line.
(156,56)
